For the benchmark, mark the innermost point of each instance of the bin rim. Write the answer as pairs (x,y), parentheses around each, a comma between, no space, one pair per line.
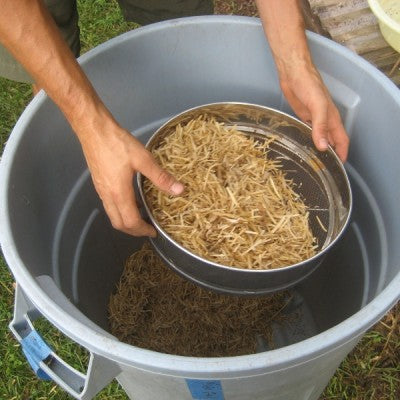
(106,346)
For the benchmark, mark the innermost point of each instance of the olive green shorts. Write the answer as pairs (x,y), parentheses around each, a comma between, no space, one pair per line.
(143,12)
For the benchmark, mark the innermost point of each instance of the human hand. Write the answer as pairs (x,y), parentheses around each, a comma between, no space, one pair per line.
(310,100)
(300,81)
(113,157)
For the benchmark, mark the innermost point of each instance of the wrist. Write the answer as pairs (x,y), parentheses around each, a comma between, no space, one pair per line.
(294,65)
(91,119)
(83,108)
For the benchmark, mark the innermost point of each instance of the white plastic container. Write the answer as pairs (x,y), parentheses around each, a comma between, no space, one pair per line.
(388,14)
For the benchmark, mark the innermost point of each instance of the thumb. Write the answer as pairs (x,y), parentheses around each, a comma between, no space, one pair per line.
(160,177)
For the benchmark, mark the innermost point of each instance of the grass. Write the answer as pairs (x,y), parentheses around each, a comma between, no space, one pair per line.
(372,369)
(370,372)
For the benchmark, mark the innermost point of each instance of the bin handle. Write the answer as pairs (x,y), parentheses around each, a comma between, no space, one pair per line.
(48,365)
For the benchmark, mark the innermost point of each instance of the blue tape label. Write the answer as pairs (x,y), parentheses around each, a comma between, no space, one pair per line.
(36,350)
(205,389)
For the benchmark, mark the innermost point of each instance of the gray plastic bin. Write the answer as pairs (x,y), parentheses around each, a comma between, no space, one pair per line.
(66,258)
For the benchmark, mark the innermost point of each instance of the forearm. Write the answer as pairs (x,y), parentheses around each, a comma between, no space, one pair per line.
(284,27)
(30,34)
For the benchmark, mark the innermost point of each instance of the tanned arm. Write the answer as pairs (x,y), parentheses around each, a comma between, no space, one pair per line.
(113,154)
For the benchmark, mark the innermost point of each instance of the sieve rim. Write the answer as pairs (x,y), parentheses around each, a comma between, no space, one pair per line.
(140,178)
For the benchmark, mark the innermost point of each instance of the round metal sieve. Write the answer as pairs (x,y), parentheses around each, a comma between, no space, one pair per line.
(320,179)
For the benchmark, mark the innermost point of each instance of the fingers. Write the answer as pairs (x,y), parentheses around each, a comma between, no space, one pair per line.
(310,100)
(121,204)
(122,210)
(319,121)
(110,164)
(161,178)
(327,128)
(338,136)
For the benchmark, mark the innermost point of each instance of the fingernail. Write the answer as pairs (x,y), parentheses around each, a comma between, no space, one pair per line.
(323,143)
(177,188)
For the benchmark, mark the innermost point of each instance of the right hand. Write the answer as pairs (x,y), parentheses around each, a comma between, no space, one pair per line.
(114,156)
(308,96)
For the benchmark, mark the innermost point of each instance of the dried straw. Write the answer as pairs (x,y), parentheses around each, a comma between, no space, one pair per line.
(238,208)
(156,309)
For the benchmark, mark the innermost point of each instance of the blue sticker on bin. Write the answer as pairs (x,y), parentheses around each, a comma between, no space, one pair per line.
(36,350)
(205,389)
